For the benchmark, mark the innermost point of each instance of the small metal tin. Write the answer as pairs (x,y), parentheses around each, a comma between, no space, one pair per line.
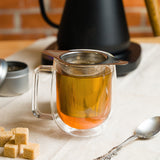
(16,80)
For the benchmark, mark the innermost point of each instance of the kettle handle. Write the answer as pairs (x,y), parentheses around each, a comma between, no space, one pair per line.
(44,15)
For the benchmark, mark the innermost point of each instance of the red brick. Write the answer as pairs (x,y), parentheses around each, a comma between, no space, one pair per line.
(147,20)
(36,20)
(21,36)
(131,3)
(6,21)
(15,4)
(57,3)
(133,19)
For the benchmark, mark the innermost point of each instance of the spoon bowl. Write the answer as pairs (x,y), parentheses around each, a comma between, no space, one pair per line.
(148,128)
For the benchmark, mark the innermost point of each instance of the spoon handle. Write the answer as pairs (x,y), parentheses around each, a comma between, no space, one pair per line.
(115,150)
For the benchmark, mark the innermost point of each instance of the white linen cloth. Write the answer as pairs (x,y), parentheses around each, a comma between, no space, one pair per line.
(138,98)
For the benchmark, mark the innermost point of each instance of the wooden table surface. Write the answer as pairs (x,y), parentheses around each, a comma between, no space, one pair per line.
(9,47)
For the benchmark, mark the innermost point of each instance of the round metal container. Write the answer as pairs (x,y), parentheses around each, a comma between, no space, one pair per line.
(16,81)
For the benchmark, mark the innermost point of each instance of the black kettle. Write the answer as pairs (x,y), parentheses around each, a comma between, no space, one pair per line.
(94,24)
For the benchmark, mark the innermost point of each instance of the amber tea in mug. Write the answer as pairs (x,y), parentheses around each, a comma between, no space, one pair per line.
(82,88)
(84,102)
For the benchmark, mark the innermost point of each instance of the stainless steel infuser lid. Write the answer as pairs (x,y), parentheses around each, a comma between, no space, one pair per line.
(3,70)
(84,57)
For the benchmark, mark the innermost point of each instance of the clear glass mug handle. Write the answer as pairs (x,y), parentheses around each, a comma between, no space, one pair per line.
(36,112)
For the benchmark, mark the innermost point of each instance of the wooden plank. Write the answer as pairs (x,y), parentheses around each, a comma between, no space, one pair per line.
(9,47)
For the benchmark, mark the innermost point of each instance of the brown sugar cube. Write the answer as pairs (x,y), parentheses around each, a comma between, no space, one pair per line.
(31,151)
(21,136)
(5,137)
(1,129)
(11,149)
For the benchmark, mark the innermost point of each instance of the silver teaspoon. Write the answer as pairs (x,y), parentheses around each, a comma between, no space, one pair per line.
(145,130)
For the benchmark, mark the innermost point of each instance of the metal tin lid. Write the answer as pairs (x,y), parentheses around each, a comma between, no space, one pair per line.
(3,70)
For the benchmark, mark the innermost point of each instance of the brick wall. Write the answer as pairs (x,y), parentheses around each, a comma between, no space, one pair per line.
(21,19)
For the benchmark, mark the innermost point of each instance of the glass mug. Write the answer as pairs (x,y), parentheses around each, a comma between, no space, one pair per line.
(84,80)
